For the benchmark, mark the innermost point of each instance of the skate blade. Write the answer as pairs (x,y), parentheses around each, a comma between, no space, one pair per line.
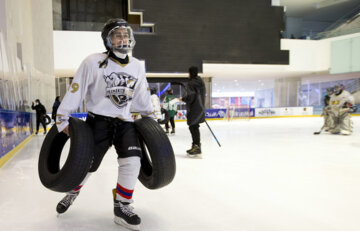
(196,156)
(123,223)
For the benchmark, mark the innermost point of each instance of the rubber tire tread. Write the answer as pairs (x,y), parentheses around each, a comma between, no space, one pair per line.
(47,119)
(78,161)
(158,170)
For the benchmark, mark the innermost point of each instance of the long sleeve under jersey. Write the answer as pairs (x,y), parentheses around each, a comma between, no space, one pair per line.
(114,90)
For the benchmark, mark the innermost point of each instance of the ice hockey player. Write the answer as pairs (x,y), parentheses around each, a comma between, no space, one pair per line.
(341,104)
(170,103)
(112,83)
(156,104)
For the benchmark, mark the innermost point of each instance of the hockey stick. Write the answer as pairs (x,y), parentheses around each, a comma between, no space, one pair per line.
(213,134)
(317,133)
(322,128)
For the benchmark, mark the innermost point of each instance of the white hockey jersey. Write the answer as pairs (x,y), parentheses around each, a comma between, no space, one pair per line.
(114,90)
(337,101)
(156,105)
(172,104)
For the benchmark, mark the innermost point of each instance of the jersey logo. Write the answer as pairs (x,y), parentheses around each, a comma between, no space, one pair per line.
(75,87)
(335,102)
(120,88)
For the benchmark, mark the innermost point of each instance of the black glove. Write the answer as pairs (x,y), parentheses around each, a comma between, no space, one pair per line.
(347,105)
(353,109)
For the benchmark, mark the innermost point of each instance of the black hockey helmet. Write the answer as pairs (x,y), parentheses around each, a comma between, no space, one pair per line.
(193,71)
(153,91)
(110,26)
(337,89)
(170,91)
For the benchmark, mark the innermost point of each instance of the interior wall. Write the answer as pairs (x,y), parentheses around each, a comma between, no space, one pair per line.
(307,55)
(319,56)
(293,27)
(188,34)
(86,15)
(26,68)
(28,62)
(286,92)
(345,55)
(310,56)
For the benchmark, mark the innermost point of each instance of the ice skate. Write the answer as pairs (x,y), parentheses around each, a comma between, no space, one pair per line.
(125,216)
(173,131)
(334,130)
(192,146)
(65,203)
(195,152)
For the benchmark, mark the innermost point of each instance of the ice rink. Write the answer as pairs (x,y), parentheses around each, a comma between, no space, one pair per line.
(269,175)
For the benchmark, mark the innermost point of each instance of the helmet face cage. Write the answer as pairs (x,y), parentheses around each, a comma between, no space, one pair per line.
(118,29)
(124,33)
(330,90)
(337,89)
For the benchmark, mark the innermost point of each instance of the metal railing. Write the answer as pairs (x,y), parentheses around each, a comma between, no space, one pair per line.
(347,24)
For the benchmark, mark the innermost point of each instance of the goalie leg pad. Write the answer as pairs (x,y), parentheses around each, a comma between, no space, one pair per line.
(345,124)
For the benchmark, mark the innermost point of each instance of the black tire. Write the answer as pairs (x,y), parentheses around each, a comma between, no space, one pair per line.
(47,119)
(79,158)
(166,116)
(158,165)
